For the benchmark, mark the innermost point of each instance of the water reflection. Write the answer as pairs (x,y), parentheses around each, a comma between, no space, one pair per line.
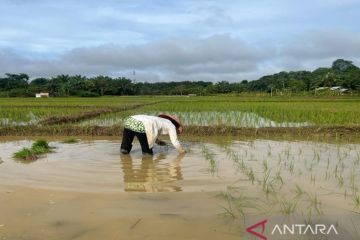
(151,173)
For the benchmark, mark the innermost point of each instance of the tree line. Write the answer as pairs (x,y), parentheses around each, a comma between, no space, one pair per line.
(342,73)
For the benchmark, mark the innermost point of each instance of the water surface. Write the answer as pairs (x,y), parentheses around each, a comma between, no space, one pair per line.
(88,190)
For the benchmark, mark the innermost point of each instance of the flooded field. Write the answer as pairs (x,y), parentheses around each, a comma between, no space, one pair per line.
(87,190)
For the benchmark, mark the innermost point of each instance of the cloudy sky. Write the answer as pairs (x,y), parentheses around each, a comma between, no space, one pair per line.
(173,40)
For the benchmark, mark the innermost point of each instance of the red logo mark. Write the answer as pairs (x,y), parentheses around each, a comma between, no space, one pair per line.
(257,234)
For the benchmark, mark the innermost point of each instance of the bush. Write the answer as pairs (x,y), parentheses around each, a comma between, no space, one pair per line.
(4,94)
(86,94)
(18,92)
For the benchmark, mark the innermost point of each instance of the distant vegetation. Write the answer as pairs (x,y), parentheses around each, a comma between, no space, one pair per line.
(342,73)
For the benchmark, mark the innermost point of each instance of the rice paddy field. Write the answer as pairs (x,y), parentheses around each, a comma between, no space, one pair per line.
(291,162)
(227,112)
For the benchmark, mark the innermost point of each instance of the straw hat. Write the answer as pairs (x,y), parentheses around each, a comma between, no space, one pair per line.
(174,119)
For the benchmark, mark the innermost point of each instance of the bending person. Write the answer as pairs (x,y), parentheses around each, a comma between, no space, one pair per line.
(147,130)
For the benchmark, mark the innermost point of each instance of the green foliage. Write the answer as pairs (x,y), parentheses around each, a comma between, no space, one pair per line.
(86,94)
(210,110)
(18,92)
(41,144)
(342,73)
(25,154)
(39,147)
(341,65)
(37,150)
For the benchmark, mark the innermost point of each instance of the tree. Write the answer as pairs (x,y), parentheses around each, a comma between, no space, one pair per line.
(13,81)
(38,85)
(59,85)
(341,65)
(101,84)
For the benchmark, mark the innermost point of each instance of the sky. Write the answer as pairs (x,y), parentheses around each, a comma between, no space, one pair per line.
(176,40)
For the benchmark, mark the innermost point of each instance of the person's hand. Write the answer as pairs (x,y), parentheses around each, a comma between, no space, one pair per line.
(182,151)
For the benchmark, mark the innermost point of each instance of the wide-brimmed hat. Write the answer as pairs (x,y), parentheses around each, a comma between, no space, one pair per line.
(173,118)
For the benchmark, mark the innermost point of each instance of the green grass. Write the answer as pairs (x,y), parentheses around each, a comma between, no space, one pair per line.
(331,112)
(21,111)
(39,147)
(211,110)
(25,154)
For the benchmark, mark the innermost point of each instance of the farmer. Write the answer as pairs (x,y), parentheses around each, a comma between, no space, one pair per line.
(147,129)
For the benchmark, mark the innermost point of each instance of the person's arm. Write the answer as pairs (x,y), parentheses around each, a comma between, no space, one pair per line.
(174,140)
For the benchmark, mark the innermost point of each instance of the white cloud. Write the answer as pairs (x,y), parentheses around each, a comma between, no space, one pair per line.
(178,58)
(177,40)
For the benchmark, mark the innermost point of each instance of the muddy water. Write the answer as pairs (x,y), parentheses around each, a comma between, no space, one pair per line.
(97,166)
(88,190)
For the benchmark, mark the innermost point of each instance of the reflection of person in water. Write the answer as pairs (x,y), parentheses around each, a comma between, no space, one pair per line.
(148,128)
(152,174)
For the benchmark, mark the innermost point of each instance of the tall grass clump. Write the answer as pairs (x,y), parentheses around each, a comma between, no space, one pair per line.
(39,147)
(25,154)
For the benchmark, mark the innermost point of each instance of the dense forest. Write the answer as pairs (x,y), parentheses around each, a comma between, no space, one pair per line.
(342,73)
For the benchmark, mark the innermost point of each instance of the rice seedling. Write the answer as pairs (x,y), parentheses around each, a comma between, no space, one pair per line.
(265,180)
(357,161)
(352,180)
(327,175)
(299,191)
(279,178)
(265,166)
(287,152)
(314,204)
(237,203)
(317,156)
(269,150)
(39,147)
(280,159)
(287,207)
(312,178)
(269,189)
(41,143)
(356,200)
(336,170)
(340,180)
(210,158)
(251,176)
(25,154)
(291,167)
(328,163)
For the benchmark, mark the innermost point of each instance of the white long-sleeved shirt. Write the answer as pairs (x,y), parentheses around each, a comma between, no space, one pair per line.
(157,125)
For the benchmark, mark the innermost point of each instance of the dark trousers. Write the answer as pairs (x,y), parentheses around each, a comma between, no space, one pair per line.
(128,137)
